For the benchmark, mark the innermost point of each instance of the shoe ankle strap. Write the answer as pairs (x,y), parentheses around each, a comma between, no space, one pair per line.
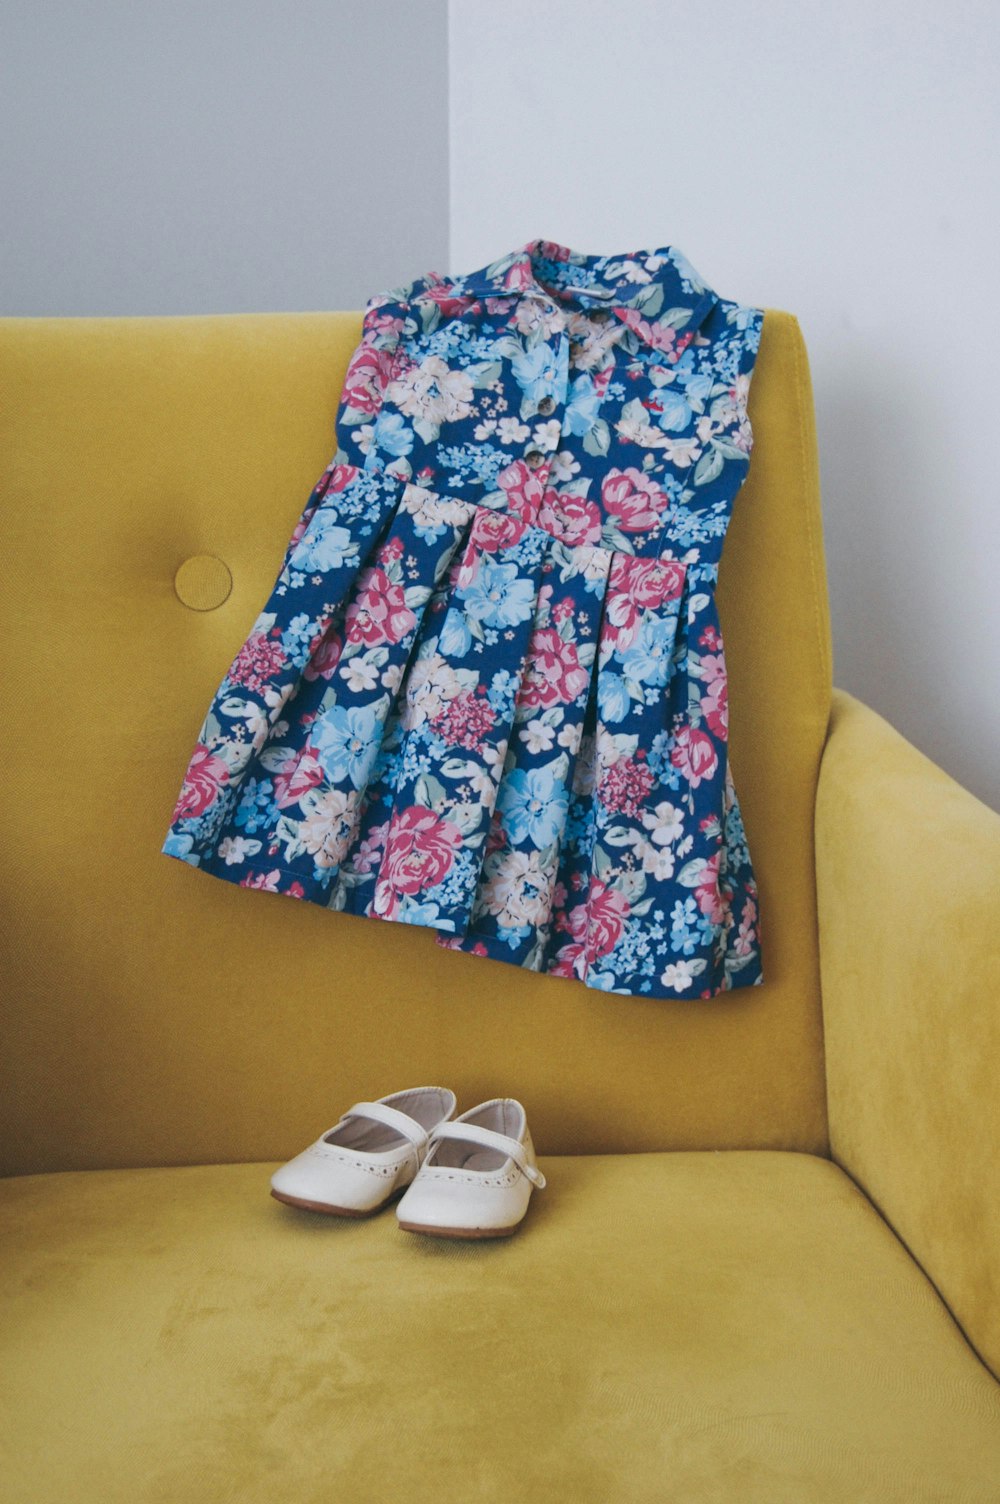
(472,1133)
(393,1118)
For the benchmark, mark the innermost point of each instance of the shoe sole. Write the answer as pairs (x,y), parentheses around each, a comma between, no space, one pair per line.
(334,1211)
(458,1232)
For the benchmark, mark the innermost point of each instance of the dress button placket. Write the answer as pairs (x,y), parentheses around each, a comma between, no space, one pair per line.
(537,457)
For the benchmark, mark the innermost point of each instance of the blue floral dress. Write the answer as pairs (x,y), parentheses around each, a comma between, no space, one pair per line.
(487,693)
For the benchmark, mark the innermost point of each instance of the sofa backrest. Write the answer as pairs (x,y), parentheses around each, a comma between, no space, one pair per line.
(153,469)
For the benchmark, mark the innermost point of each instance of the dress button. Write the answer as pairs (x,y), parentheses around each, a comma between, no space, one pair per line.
(600,315)
(546,405)
(534,458)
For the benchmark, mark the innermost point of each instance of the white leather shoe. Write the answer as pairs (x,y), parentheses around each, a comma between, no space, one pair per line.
(374,1151)
(477,1176)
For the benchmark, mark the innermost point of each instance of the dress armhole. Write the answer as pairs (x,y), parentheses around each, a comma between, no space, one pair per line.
(369,370)
(746,323)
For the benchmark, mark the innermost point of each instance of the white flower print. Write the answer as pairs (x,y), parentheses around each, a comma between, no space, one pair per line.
(434,392)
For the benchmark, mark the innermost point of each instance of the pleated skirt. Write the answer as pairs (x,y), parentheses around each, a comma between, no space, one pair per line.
(455,719)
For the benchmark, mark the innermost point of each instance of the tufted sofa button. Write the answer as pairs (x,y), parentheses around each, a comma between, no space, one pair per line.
(203,582)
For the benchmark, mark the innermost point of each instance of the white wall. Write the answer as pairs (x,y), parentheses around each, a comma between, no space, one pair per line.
(178,156)
(835,161)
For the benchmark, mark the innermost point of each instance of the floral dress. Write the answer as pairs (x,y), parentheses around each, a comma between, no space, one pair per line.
(487,693)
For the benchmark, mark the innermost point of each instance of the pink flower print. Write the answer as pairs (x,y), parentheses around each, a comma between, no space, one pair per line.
(553,673)
(573,519)
(625,786)
(304,774)
(419,852)
(441,292)
(632,499)
(205,776)
(378,613)
(599,922)
(270,882)
(454,942)
(325,656)
(465,721)
(519,277)
(715,700)
(256,663)
(647,582)
(600,381)
(707,893)
(338,477)
(492,531)
(621,619)
(551,250)
(369,851)
(496,836)
(694,753)
(634,585)
(377,324)
(365,378)
(660,336)
(569,959)
(523,488)
(653,582)
(743,944)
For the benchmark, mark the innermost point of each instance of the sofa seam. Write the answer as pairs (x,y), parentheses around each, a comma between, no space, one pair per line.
(824,657)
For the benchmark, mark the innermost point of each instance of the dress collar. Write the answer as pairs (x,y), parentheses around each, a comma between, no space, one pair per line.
(649,289)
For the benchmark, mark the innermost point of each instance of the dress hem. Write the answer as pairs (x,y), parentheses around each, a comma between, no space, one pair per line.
(491,946)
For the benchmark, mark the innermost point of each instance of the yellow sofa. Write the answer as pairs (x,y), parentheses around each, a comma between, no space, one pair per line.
(767,1264)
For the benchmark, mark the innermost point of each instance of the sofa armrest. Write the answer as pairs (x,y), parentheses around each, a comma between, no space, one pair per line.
(908,892)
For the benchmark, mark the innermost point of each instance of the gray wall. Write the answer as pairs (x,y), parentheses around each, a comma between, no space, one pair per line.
(219,157)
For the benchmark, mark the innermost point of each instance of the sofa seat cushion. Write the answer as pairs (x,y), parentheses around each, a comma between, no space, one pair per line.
(709,1326)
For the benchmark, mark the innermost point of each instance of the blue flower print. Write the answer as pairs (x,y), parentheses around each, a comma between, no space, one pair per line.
(532,805)
(583,407)
(455,638)
(325,545)
(612,697)
(499,596)
(535,371)
(391,435)
(346,739)
(648,658)
(255,804)
(675,410)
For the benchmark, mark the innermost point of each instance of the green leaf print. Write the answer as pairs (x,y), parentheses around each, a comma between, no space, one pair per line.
(709,466)
(429,792)
(598,438)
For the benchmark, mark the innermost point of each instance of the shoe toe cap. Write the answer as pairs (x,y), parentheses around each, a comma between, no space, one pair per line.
(331,1181)
(454,1203)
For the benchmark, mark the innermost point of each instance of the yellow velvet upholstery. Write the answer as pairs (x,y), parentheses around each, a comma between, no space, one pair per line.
(910,937)
(765,1268)
(733,1328)
(140,452)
